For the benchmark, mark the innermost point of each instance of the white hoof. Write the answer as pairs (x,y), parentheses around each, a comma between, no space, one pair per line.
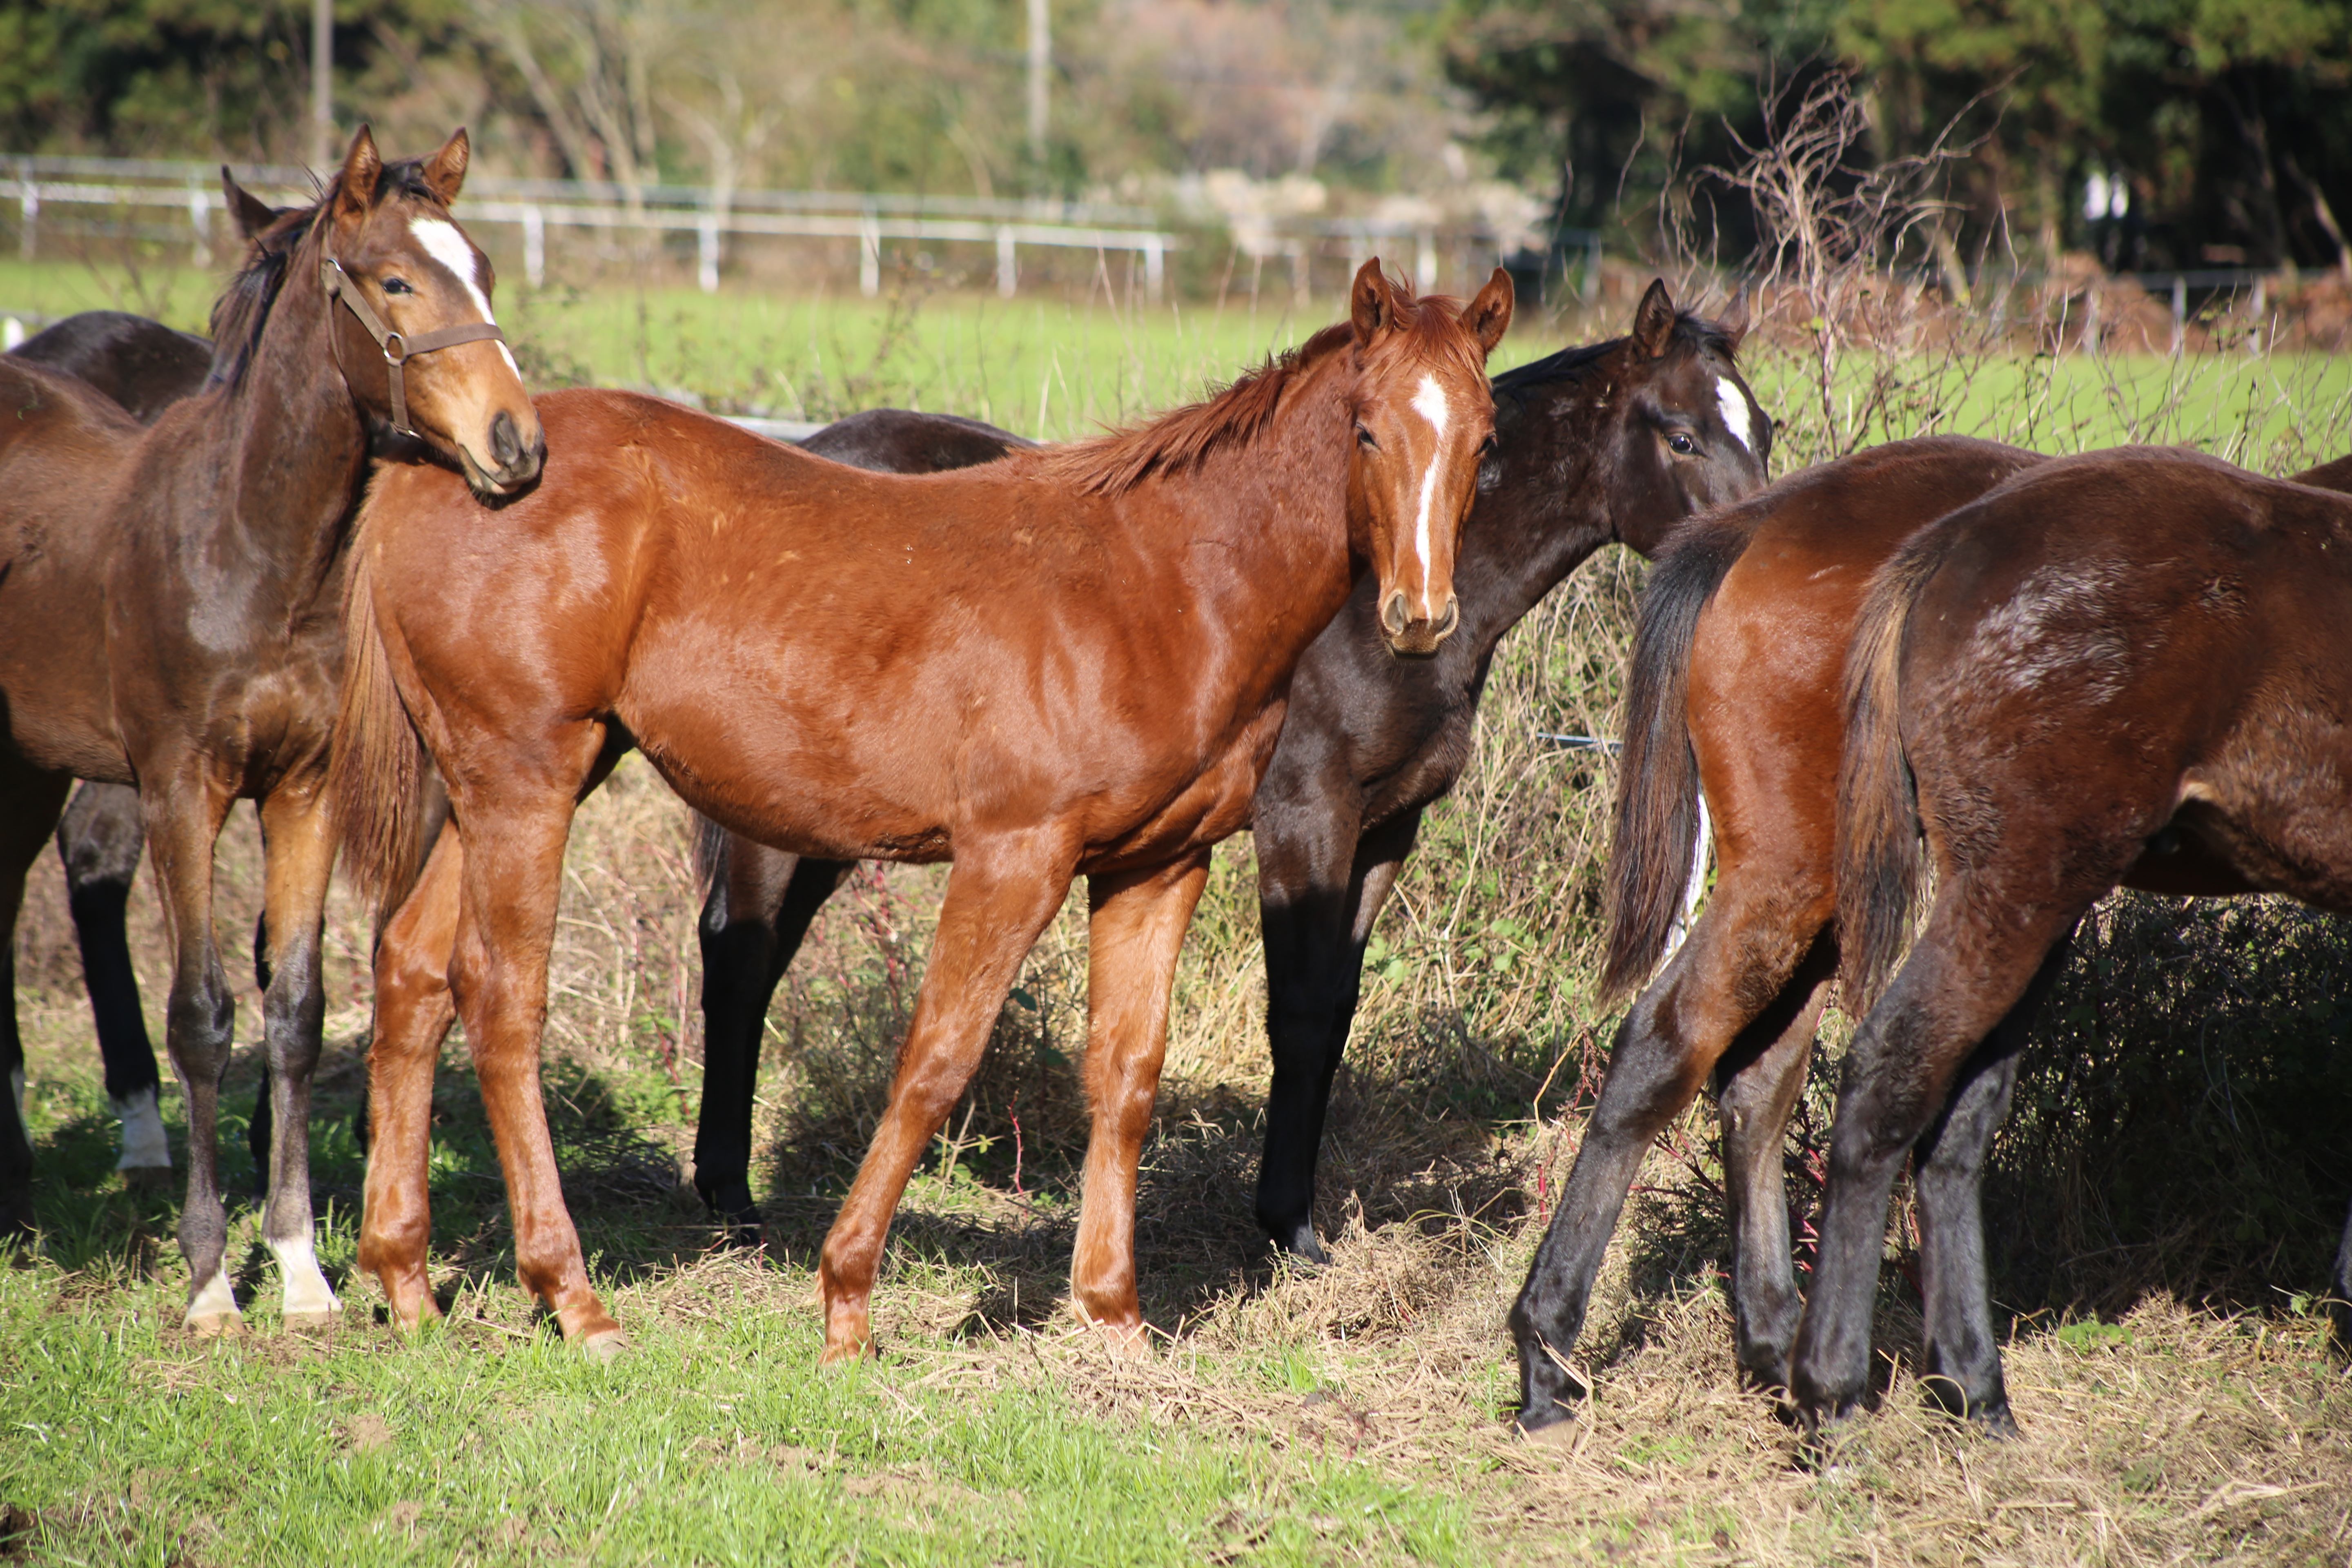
(308,1298)
(144,1146)
(212,1310)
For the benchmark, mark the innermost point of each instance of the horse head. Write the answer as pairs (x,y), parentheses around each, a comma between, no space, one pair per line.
(1424,417)
(1688,433)
(408,295)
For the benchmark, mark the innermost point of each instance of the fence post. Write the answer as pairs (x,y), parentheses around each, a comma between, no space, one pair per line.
(534,246)
(1155,268)
(200,219)
(29,195)
(706,244)
(1007,269)
(2179,313)
(1591,287)
(2262,299)
(1424,262)
(12,332)
(869,254)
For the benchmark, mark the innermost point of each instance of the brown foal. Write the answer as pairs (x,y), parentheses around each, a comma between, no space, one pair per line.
(1074,661)
(168,617)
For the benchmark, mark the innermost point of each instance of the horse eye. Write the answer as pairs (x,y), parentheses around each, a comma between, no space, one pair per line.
(397,285)
(1682,443)
(1364,439)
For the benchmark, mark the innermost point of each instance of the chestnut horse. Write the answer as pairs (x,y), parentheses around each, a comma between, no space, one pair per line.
(1072,661)
(1618,441)
(1734,690)
(165,615)
(2126,670)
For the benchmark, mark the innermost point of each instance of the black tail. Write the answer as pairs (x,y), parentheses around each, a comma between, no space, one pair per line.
(1878,800)
(1656,827)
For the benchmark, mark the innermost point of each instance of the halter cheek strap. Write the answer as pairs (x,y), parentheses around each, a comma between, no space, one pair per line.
(398,348)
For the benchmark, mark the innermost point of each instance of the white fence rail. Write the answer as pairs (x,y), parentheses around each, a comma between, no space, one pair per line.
(534,207)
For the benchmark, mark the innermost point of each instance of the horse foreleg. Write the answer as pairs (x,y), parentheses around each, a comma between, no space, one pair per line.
(299,857)
(414,1010)
(1961,1365)
(28,809)
(1001,894)
(1964,973)
(1304,856)
(759,910)
(184,807)
(100,840)
(1137,928)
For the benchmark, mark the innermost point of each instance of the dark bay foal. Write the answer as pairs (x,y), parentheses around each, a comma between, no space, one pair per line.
(1615,442)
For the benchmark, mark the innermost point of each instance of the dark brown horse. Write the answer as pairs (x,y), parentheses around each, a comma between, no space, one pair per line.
(1734,692)
(146,367)
(1616,441)
(2126,669)
(167,618)
(1070,662)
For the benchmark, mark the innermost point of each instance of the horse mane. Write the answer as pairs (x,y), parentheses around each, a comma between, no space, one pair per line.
(241,314)
(1114,463)
(1693,334)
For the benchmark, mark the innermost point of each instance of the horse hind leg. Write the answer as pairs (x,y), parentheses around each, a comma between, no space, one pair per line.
(28,809)
(414,1011)
(760,905)
(1137,925)
(100,840)
(1001,894)
(1960,1368)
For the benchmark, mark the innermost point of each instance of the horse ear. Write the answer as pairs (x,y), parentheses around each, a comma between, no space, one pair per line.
(252,214)
(355,186)
(1653,319)
(1371,303)
(445,172)
(1489,315)
(1732,322)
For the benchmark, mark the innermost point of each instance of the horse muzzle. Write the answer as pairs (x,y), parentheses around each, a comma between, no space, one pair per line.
(1417,635)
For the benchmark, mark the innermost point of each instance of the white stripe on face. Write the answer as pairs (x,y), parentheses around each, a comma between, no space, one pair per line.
(1429,402)
(445,245)
(1734,404)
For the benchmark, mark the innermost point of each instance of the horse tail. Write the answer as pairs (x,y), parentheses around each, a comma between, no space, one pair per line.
(709,857)
(1655,833)
(377,779)
(1878,859)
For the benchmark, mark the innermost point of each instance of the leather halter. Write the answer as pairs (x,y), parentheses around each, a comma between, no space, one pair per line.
(398,347)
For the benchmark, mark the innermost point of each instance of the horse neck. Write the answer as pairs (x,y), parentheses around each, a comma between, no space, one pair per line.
(299,444)
(1279,503)
(1544,516)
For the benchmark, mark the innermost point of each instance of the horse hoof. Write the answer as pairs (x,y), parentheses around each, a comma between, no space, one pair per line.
(215,1325)
(1299,1242)
(842,1352)
(604,1346)
(1126,1342)
(148,1179)
(1554,1425)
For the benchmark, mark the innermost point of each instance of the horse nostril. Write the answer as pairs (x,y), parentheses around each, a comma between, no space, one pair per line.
(1453,616)
(506,441)
(1392,616)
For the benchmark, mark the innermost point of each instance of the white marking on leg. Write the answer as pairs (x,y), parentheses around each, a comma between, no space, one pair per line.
(1429,402)
(445,245)
(144,1146)
(307,1294)
(214,1305)
(1734,404)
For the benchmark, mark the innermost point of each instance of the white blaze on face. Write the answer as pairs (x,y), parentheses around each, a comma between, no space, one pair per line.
(1430,403)
(445,245)
(1734,404)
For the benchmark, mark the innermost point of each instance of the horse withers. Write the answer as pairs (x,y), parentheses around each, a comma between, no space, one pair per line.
(167,616)
(2126,670)
(1073,661)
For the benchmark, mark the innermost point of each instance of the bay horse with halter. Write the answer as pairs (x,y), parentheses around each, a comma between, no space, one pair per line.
(1617,441)
(167,599)
(2126,670)
(1072,661)
(1734,692)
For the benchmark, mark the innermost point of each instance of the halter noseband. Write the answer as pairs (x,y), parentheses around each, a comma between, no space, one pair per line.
(398,348)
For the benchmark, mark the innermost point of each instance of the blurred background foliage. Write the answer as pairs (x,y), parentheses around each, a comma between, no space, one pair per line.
(2211,133)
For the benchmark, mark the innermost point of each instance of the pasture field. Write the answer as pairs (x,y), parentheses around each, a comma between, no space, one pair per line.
(2167,1196)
